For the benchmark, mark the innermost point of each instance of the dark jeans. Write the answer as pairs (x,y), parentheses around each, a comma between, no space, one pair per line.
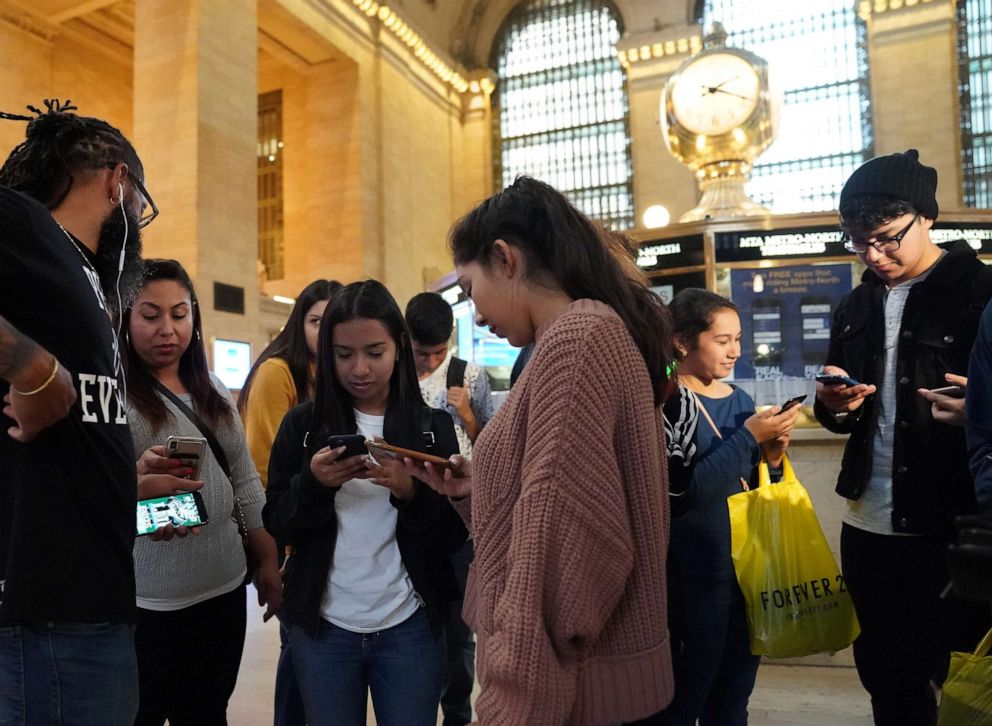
(288,702)
(711,655)
(403,667)
(188,661)
(907,631)
(456,704)
(67,674)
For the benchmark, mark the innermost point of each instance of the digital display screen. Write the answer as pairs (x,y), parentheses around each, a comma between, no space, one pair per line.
(478,345)
(178,510)
(232,362)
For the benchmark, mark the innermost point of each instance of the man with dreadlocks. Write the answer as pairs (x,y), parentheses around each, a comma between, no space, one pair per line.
(71,203)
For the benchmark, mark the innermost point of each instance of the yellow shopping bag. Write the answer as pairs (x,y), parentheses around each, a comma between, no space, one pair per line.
(967,697)
(797,603)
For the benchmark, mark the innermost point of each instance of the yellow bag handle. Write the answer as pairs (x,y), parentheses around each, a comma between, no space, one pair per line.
(985,645)
(765,478)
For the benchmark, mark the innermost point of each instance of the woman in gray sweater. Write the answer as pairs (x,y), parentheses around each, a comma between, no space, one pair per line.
(190,590)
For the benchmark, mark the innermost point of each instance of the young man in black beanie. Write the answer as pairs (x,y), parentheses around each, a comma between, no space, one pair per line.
(911,321)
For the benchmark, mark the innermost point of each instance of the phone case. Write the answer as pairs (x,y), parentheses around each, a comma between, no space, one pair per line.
(187,448)
(381,449)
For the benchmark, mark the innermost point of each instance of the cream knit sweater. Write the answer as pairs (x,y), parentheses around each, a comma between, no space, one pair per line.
(570,518)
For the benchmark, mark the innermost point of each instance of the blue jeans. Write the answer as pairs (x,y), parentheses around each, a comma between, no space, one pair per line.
(288,703)
(67,674)
(402,666)
(711,654)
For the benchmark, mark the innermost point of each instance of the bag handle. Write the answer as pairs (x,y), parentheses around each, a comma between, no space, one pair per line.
(985,645)
(706,413)
(765,477)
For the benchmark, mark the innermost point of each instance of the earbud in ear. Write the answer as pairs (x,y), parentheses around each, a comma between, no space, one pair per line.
(120,192)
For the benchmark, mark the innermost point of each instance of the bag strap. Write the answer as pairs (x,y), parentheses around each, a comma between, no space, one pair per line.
(456,372)
(189,413)
(707,415)
(984,646)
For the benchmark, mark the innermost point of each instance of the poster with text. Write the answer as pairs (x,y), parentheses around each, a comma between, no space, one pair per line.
(785,318)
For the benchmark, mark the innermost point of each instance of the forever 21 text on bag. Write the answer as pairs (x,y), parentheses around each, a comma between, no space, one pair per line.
(796,600)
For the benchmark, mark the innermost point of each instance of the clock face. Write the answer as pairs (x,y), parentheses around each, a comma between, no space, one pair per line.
(715,93)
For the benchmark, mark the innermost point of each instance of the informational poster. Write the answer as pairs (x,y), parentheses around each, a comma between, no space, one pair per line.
(785,318)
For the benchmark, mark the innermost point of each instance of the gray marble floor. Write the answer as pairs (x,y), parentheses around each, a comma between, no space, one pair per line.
(785,695)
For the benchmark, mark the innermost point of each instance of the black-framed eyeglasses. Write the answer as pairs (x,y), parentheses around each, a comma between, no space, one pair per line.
(882,243)
(148,209)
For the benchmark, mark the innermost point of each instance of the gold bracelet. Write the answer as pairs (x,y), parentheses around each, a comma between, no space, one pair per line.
(43,386)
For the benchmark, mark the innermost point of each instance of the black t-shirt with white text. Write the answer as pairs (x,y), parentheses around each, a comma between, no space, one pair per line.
(67,499)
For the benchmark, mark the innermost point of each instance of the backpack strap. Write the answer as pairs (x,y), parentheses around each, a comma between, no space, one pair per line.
(425,417)
(456,372)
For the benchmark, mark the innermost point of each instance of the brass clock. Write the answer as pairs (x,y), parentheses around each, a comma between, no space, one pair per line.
(719,112)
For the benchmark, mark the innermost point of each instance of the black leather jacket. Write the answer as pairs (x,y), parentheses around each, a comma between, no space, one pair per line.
(931,482)
(299,511)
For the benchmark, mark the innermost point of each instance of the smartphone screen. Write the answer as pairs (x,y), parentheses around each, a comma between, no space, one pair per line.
(815,312)
(766,322)
(184,509)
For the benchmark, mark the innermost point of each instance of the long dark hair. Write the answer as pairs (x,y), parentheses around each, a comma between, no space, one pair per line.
(208,402)
(566,250)
(368,300)
(58,145)
(291,343)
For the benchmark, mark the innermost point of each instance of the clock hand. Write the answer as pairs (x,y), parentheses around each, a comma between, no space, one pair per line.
(735,95)
(717,88)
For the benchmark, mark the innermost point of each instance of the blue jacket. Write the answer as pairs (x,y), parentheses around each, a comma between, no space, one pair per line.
(978,426)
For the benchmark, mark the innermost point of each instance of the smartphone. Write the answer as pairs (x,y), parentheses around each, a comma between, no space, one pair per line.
(354,445)
(180,510)
(828,379)
(766,326)
(794,401)
(950,391)
(380,449)
(188,449)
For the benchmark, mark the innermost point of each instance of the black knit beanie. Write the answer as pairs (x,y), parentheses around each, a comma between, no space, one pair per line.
(900,176)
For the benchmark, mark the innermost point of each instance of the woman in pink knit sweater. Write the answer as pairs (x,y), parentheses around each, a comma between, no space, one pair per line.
(566,495)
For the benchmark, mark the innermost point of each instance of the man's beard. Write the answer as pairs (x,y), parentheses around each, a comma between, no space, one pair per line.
(108,253)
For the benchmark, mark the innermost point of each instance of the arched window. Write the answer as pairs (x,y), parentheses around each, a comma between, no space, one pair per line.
(816,50)
(975,64)
(561,105)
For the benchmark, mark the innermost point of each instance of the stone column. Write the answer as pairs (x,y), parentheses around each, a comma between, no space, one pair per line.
(905,46)
(650,58)
(195,118)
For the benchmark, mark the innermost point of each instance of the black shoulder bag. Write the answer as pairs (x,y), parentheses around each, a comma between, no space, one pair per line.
(238,514)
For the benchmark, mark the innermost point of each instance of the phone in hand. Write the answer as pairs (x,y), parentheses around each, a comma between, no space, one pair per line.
(794,401)
(380,450)
(354,445)
(950,391)
(184,509)
(188,449)
(829,379)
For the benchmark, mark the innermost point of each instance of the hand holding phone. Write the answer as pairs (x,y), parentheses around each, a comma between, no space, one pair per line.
(839,392)
(950,391)
(947,403)
(794,401)
(183,509)
(828,379)
(333,469)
